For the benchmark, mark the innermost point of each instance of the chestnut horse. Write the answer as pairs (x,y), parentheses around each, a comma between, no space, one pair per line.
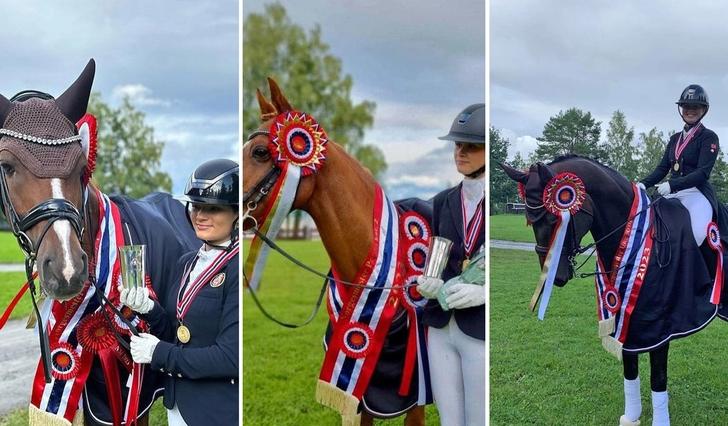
(70,231)
(339,198)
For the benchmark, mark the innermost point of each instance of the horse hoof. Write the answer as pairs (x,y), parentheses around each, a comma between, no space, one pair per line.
(623,421)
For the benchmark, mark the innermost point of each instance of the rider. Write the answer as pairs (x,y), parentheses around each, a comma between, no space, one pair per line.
(689,157)
(197,321)
(456,337)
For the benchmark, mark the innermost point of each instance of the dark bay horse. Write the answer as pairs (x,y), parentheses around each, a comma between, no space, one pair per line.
(70,231)
(340,198)
(669,296)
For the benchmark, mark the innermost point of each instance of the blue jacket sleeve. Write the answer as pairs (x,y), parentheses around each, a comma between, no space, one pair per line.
(219,360)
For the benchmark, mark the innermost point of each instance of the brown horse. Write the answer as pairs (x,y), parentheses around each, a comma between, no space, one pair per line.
(54,212)
(342,185)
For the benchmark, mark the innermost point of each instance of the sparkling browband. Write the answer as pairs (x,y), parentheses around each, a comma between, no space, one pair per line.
(35,139)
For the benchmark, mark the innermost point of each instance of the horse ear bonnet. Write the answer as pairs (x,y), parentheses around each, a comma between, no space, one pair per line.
(40,117)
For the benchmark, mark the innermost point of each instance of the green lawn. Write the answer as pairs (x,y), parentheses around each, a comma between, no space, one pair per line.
(20,417)
(280,365)
(9,250)
(512,227)
(555,371)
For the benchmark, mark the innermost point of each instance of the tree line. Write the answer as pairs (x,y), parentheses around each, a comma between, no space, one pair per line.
(577,132)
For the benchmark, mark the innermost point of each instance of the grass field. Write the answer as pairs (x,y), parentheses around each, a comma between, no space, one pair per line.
(512,227)
(555,372)
(9,250)
(280,365)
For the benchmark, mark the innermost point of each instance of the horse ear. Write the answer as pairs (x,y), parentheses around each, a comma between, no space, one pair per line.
(4,108)
(276,95)
(545,173)
(267,110)
(74,101)
(515,174)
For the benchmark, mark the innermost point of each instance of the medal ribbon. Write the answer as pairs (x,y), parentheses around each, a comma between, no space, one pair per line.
(473,227)
(188,293)
(685,139)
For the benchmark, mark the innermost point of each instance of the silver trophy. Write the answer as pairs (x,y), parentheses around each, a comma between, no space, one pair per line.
(437,257)
(133,267)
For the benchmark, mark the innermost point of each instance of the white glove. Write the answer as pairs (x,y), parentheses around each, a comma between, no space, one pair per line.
(664,188)
(641,186)
(142,348)
(428,286)
(137,299)
(462,295)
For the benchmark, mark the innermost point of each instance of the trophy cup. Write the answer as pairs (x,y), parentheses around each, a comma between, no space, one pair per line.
(133,267)
(437,256)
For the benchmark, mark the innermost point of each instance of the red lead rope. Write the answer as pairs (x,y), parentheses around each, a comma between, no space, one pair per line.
(11,307)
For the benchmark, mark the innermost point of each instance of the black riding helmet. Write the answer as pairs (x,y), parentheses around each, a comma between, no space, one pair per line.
(214,182)
(694,94)
(468,126)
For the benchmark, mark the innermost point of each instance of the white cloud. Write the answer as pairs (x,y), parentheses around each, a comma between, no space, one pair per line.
(139,95)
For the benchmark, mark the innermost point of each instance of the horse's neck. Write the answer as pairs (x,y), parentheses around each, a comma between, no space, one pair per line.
(341,204)
(611,211)
(92,223)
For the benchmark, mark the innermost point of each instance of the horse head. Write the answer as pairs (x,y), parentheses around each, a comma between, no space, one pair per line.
(544,223)
(42,183)
(260,171)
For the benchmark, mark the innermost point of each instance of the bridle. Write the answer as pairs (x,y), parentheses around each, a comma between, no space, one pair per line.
(261,188)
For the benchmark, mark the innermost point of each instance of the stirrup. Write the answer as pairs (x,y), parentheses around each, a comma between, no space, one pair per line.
(623,421)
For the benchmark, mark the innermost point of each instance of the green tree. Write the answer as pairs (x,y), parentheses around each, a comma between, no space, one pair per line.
(502,188)
(311,78)
(619,149)
(652,146)
(719,178)
(518,162)
(128,155)
(570,132)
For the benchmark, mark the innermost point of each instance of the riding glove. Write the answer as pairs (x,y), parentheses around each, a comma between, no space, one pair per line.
(664,188)
(142,348)
(429,286)
(463,295)
(137,299)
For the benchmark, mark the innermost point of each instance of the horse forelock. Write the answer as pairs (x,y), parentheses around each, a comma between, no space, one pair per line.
(41,119)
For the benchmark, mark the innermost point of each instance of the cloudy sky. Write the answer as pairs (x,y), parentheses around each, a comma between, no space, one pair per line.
(178,60)
(548,56)
(422,63)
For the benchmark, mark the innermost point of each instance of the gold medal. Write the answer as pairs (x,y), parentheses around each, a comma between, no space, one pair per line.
(466,262)
(183,334)
(676,167)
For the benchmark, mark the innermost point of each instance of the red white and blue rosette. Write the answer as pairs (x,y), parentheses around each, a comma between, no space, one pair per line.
(611,299)
(564,191)
(411,296)
(65,362)
(357,340)
(417,256)
(297,138)
(415,226)
(713,238)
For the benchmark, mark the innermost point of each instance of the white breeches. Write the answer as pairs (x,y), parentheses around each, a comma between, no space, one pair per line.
(701,213)
(457,371)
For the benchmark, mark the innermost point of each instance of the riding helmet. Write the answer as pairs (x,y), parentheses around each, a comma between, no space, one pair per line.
(468,126)
(214,182)
(694,95)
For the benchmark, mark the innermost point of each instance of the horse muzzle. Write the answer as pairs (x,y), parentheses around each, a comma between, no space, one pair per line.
(62,277)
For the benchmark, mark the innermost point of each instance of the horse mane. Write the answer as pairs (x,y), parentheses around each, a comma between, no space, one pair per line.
(610,171)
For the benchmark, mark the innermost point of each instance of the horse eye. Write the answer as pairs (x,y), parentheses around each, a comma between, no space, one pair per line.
(8,169)
(261,153)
